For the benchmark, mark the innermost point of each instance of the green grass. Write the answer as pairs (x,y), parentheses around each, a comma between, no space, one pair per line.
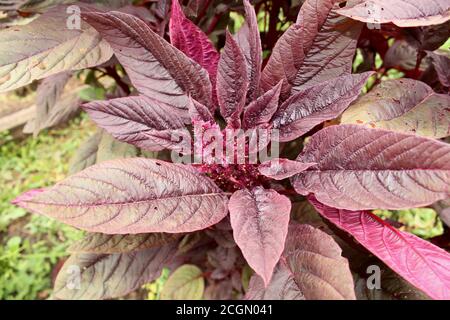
(423,222)
(30,244)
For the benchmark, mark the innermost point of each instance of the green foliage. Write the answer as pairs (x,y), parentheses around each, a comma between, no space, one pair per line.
(32,245)
(154,288)
(184,283)
(423,222)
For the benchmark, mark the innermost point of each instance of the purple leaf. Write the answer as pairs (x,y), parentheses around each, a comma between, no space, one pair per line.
(260,221)
(403,105)
(199,112)
(190,39)
(441,63)
(232,82)
(403,13)
(280,169)
(54,105)
(249,41)
(403,56)
(106,276)
(121,243)
(46,46)
(261,110)
(359,168)
(48,93)
(86,155)
(282,286)
(144,122)
(445,216)
(315,104)
(318,47)
(156,68)
(132,196)
(423,264)
(311,268)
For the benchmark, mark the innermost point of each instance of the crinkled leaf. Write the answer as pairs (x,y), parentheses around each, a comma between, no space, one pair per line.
(360,168)
(199,113)
(232,82)
(121,243)
(260,221)
(318,47)
(89,276)
(280,169)
(144,122)
(132,196)
(403,13)
(423,264)
(45,47)
(316,104)
(261,110)
(190,39)
(155,67)
(249,41)
(403,105)
(312,268)
(86,154)
(441,63)
(186,283)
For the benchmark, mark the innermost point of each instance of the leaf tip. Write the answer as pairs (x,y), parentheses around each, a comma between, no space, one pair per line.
(26,196)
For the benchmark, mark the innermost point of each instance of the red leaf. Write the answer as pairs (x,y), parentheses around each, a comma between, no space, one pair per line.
(261,110)
(403,13)
(146,123)
(311,268)
(318,47)
(156,68)
(313,105)
(190,39)
(132,196)
(423,264)
(106,276)
(232,82)
(441,63)
(199,113)
(260,221)
(249,41)
(360,168)
(403,105)
(280,169)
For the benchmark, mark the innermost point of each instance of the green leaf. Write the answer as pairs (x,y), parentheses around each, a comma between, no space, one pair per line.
(92,93)
(185,283)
